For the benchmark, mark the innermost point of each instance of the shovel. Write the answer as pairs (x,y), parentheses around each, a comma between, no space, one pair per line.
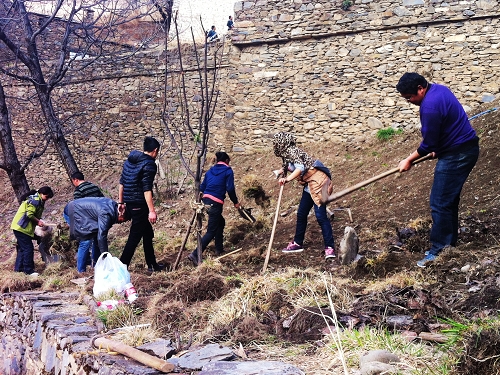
(325,198)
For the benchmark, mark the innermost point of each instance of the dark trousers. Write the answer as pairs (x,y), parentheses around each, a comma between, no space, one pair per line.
(450,174)
(305,205)
(140,228)
(25,253)
(215,227)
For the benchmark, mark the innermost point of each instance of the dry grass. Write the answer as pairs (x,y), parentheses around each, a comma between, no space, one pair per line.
(298,288)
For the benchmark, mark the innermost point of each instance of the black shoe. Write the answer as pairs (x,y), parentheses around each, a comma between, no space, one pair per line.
(156,268)
(193,259)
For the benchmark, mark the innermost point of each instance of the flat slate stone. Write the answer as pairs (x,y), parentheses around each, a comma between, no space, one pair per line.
(250,368)
(196,359)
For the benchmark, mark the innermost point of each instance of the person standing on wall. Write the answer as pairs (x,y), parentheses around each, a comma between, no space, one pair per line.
(218,180)
(212,35)
(136,192)
(85,189)
(230,24)
(449,136)
(315,177)
(29,215)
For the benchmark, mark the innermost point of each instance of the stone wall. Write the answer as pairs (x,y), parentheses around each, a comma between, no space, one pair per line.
(328,74)
(301,66)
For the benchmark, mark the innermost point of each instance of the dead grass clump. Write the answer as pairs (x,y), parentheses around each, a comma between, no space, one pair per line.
(17,281)
(165,314)
(256,297)
(252,188)
(481,353)
(306,324)
(250,330)
(198,287)
(380,265)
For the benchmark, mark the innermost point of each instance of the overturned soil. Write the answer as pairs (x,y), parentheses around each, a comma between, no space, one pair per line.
(390,216)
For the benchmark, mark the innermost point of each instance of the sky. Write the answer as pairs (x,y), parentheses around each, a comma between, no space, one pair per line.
(212,12)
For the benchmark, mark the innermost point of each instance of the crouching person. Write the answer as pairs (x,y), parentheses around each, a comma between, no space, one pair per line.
(91,218)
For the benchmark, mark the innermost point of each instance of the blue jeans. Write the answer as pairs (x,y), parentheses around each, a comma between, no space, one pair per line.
(83,254)
(449,177)
(305,205)
(25,253)
(215,228)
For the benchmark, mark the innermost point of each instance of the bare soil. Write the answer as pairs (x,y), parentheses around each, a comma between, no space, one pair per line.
(391,218)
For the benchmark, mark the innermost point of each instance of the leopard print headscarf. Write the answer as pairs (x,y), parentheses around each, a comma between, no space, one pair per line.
(285,148)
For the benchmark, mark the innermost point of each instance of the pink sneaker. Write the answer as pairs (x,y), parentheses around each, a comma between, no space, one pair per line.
(329,252)
(293,248)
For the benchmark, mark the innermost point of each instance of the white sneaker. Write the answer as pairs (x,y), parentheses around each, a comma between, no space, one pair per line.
(34,274)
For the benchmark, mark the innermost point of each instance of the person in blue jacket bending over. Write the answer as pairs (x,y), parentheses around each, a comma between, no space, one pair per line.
(218,180)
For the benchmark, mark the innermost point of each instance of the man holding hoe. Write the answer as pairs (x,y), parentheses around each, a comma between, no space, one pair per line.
(447,135)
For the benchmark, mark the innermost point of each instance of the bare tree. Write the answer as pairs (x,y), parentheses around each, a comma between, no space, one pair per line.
(42,49)
(10,161)
(190,131)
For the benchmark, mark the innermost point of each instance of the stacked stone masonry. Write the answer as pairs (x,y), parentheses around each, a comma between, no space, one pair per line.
(303,66)
(51,333)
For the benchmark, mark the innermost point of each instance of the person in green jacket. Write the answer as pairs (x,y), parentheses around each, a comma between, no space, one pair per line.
(28,216)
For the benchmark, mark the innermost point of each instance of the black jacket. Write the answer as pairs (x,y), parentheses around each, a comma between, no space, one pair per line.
(138,175)
(91,217)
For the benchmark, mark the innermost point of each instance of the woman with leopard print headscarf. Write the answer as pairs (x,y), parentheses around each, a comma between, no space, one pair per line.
(315,177)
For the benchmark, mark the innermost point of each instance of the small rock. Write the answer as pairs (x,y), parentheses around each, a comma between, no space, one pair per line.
(250,368)
(210,353)
(380,355)
(349,246)
(375,368)
(465,268)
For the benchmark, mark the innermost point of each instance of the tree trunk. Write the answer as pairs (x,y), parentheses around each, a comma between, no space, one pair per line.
(10,161)
(56,133)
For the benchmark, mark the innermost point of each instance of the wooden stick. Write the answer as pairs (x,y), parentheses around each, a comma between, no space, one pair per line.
(334,196)
(434,337)
(179,254)
(268,254)
(231,253)
(144,358)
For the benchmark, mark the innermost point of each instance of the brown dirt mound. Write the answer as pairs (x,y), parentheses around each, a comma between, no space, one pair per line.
(481,354)
(305,325)
(249,330)
(198,287)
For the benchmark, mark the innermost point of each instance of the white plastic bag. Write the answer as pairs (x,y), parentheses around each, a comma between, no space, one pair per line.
(110,273)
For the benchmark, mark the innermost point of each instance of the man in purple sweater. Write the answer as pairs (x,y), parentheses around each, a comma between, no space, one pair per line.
(448,135)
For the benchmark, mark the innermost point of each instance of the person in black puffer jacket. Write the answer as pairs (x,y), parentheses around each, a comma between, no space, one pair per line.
(136,192)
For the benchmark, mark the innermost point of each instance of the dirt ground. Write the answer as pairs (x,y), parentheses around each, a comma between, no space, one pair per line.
(391,218)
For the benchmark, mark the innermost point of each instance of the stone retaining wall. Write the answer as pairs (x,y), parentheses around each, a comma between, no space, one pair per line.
(50,333)
(303,66)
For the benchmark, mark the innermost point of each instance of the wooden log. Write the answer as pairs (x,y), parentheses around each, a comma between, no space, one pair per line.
(434,337)
(139,356)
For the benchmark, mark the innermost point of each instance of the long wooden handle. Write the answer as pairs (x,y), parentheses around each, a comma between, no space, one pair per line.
(268,254)
(334,196)
(140,356)
(184,241)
